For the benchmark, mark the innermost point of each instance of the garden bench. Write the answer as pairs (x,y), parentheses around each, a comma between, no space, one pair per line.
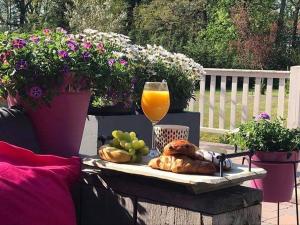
(112,198)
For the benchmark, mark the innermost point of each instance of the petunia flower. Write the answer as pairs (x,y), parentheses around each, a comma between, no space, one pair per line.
(123,62)
(87,45)
(34,39)
(262,116)
(46,31)
(72,45)
(36,92)
(100,47)
(63,54)
(22,65)
(61,30)
(86,56)
(19,43)
(111,62)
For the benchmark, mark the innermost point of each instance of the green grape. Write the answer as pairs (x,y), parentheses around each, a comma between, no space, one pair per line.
(132,135)
(135,139)
(142,143)
(128,146)
(122,144)
(119,134)
(135,144)
(115,142)
(131,151)
(126,137)
(114,133)
(144,150)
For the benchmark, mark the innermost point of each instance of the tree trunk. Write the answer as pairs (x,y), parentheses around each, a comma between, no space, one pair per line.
(280,22)
(22,9)
(295,24)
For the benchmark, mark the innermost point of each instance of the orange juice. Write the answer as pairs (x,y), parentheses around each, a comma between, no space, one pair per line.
(155,104)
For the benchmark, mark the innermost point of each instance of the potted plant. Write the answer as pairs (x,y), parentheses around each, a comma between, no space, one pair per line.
(154,63)
(273,143)
(51,74)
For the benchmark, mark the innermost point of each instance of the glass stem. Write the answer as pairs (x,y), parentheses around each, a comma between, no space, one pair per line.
(153,137)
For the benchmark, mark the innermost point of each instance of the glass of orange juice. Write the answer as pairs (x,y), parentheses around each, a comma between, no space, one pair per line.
(155,105)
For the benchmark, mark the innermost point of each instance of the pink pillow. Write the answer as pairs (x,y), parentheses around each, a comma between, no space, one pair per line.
(35,189)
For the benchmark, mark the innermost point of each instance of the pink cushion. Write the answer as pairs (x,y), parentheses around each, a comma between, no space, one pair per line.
(35,189)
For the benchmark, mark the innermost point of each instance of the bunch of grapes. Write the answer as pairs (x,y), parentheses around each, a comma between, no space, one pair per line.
(130,143)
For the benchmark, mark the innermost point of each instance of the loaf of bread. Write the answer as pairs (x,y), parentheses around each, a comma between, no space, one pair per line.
(182,147)
(182,164)
(113,154)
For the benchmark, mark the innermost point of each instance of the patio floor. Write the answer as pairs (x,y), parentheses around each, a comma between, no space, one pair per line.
(269,210)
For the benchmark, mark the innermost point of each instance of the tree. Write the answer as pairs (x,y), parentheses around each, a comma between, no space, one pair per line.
(103,15)
(171,23)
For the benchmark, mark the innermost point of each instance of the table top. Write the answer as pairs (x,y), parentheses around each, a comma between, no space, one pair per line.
(195,183)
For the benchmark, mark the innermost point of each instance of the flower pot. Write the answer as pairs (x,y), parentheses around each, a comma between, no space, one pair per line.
(278,184)
(59,126)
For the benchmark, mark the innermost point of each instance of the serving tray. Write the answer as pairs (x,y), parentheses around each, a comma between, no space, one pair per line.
(195,183)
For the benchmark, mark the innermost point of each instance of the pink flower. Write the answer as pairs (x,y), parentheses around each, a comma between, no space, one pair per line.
(46,31)
(34,39)
(87,45)
(100,47)
(19,43)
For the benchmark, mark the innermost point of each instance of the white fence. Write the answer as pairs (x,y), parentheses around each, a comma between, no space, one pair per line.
(232,75)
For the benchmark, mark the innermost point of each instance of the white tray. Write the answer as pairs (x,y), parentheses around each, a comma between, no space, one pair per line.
(195,183)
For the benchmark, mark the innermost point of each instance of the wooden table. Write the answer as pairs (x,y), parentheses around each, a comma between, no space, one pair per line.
(109,197)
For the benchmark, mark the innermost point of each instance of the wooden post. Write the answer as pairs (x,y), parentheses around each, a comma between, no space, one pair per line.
(294,98)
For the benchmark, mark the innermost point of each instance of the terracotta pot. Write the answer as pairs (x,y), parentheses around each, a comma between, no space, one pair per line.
(278,184)
(59,127)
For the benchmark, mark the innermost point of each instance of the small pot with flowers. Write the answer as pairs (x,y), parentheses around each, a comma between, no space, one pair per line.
(274,146)
(51,74)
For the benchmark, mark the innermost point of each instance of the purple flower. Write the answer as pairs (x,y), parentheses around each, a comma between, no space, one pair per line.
(86,56)
(87,45)
(123,62)
(72,45)
(262,116)
(34,39)
(2,57)
(35,92)
(63,54)
(111,62)
(19,43)
(22,65)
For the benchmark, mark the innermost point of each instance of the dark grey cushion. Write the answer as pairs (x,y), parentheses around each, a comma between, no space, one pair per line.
(16,129)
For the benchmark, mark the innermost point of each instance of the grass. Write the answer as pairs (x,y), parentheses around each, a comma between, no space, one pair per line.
(216,137)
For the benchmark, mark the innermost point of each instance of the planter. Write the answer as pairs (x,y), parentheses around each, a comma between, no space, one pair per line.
(96,126)
(278,185)
(59,126)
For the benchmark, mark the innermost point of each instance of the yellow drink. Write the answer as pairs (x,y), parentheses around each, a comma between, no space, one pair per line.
(155,104)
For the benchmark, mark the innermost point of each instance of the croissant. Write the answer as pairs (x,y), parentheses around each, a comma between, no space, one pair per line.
(182,147)
(182,164)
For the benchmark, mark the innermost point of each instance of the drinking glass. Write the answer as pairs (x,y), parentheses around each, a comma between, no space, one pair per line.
(155,105)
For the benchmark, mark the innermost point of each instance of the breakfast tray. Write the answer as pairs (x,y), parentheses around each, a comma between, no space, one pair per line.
(195,183)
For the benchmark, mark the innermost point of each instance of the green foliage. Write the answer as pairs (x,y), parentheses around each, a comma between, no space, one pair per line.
(212,46)
(170,23)
(181,88)
(103,15)
(265,135)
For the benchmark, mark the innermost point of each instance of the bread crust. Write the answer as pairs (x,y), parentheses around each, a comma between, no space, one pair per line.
(182,147)
(182,164)
(112,154)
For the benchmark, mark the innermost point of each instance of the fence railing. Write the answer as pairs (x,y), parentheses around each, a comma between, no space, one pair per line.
(225,83)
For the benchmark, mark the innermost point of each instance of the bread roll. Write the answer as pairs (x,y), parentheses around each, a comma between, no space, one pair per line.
(113,154)
(182,164)
(182,147)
